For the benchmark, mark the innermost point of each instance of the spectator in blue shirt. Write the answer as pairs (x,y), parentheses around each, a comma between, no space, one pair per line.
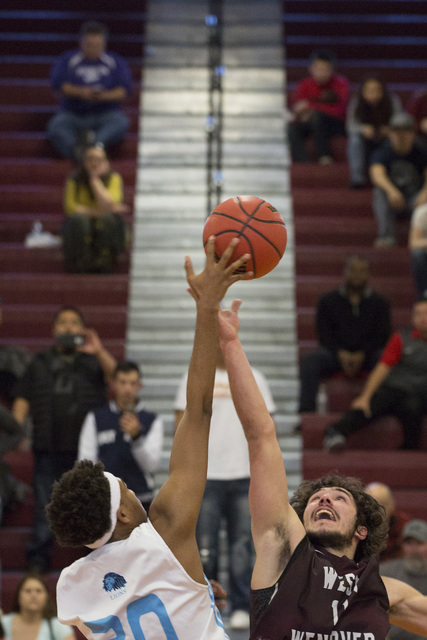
(92,83)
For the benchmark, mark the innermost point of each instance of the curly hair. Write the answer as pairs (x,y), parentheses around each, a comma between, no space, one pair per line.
(369,513)
(79,508)
(49,610)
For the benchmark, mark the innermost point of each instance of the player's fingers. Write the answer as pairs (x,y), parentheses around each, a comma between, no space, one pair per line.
(188,266)
(228,252)
(240,262)
(210,249)
(235,305)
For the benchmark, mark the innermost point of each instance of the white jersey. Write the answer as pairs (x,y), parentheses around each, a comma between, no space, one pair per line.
(136,588)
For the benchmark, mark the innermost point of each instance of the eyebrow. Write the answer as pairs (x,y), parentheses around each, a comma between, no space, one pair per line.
(341,489)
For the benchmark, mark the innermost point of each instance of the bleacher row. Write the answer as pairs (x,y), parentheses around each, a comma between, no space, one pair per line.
(33,284)
(333,222)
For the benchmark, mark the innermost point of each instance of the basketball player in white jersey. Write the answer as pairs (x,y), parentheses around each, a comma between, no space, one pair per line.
(144,578)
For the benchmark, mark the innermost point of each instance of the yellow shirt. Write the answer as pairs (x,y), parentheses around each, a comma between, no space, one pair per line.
(82,196)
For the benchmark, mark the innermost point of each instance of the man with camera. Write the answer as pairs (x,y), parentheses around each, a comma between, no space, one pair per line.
(61,385)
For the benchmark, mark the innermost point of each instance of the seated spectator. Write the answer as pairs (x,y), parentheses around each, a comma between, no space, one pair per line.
(12,436)
(94,230)
(368,117)
(410,568)
(33,615)
(398,172)
(417,107)
(124,436)
(319,107)
(396,519)
(353,324)
(397,387)
(418,246)
(13,362)
(91,83)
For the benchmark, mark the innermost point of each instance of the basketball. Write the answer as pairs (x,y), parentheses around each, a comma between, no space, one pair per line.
(259,226)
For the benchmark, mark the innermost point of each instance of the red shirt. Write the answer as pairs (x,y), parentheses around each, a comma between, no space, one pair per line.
(309,89)
(393,349)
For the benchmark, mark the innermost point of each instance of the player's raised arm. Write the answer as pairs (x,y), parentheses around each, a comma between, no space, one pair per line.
(275,526)
(175,510)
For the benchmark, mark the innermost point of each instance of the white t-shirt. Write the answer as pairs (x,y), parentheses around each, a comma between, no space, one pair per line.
(136,588)
(53,631)
(228,457)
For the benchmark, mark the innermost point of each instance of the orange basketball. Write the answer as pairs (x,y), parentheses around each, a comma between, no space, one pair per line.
(260,227)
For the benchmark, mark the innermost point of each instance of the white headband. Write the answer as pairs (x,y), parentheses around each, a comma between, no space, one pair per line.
(114,506)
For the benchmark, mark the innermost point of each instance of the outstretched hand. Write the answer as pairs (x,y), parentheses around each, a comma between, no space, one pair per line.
(228,322)
(212,283)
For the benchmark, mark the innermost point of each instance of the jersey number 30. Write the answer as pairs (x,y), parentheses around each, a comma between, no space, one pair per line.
(136,609)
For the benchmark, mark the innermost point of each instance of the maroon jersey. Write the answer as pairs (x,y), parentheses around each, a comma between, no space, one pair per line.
(320,596)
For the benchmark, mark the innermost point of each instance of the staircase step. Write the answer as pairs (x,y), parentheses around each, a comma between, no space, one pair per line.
(394,287)
(316,176)
(53,44)
(46,172)
(374,25)
(329,260)
(13,544)
(388,69)
(362,48)
(15,257)
(42,198)
(337,201)
(19,117)
(327,230)
(15,227)
(397,469)
(62,289)
(383,434)
(35,144)
(39,92)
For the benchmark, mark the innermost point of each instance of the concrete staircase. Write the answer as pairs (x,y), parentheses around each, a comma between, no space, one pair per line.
(176,190)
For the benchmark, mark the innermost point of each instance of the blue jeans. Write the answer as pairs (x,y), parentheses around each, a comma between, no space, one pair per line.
(419,269)
(359,150)
(48,467)
(321,128)
(228,500)
(65,128)
(385,214)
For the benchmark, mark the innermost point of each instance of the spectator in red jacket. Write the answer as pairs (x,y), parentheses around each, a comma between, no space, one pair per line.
(319,107)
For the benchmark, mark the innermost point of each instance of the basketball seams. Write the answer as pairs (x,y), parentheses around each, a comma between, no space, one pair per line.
(241,233)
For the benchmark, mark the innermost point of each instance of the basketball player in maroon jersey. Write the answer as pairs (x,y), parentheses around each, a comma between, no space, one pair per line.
(316,572)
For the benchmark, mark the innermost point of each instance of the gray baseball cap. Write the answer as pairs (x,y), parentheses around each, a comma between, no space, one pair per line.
(416,529)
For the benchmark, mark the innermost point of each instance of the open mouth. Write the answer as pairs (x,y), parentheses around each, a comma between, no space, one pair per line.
(324,514)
